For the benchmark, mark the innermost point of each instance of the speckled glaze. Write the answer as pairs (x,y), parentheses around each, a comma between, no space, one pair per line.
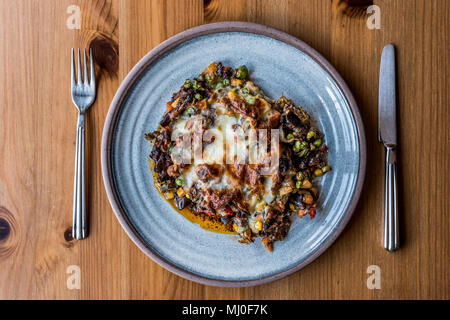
(279,64)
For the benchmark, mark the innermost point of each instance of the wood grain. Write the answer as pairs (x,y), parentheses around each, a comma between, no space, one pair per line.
(37,146)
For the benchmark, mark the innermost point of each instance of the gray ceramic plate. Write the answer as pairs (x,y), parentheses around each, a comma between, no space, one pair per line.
(279,63)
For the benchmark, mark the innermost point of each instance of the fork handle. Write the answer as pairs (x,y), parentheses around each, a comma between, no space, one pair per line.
(391,234)
(79,200)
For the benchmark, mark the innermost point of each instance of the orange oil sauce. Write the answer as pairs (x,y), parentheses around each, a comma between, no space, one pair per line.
(201,220)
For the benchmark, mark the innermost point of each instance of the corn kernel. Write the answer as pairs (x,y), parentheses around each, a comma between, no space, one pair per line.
(260,206)
(232,95)
(292,206)
(318,172)
(306,184)
(180,192)
(236,82)
(235,227)
(258,225)
(175,103)
(169,195)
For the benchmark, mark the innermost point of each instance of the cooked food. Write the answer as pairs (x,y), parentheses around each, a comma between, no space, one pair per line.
(210,157)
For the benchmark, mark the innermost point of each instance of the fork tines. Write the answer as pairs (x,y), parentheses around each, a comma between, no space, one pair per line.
(91,67)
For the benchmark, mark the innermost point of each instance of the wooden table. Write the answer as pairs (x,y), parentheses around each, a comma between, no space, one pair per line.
(37,146)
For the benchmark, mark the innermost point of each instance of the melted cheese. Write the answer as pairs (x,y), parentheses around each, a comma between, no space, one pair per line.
(229,144)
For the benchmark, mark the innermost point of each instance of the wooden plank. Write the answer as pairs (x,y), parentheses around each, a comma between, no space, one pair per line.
(37,125)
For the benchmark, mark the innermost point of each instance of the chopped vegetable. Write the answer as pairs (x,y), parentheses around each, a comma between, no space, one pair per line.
(196,85)
(307,198)
(242,72)
(310,135)
(180,192)
(236,82)
(179,181)
(285,190)
(228,210)
(306,184)
(232,95)
(190,110)
(258,225)
(169,195)
(302,212)
(317,142)
(326,169)
(318,172)
(187,84)
(260,206)
(251,100)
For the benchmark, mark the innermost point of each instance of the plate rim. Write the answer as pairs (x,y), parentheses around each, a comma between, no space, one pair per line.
(156,53)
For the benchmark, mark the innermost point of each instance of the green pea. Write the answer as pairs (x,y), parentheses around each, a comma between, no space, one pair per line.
(242,72)
(200,78)
(310,135)
(195,85)
(198,96)
(251,100)
(208,78)
(290,136)
(298,184)
(179,181)
(190,110)
(187,84)
(300,145)
(317,143)
(226,82)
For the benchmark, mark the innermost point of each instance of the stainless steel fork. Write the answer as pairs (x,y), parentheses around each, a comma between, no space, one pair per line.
(83,95)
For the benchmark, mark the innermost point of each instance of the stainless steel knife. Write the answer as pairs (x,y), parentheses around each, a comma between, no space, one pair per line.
(387,134)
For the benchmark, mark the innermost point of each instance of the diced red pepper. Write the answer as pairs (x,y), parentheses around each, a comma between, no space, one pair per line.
(312,213)
(209,213)
(228,210)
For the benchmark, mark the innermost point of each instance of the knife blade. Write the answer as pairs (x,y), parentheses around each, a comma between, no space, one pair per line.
(387,134)
(387,126)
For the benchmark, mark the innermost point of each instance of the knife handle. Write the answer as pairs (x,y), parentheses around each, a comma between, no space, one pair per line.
(391,235)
